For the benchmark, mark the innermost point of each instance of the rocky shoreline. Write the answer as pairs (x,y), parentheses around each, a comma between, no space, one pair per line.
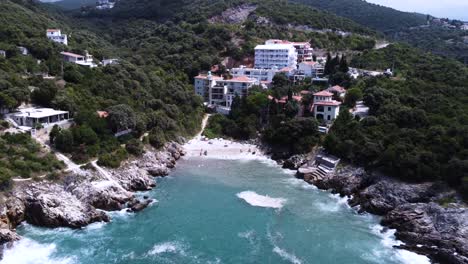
(424,225)
(83,196)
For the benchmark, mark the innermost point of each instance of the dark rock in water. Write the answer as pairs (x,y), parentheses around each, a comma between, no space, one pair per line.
(158,171)
(295,162)
(145,197)
(6,236)
(137,205)
(15,211)
(443,232)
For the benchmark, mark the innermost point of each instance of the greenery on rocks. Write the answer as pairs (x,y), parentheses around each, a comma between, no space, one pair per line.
(20,156)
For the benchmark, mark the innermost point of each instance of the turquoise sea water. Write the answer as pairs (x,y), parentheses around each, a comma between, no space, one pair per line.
(217,211)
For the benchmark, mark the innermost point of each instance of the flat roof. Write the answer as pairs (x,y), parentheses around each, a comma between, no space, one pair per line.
(274,46)
(38,112)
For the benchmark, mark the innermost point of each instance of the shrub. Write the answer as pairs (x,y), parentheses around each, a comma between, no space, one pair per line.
(113,160)
(134,147)
(157,138)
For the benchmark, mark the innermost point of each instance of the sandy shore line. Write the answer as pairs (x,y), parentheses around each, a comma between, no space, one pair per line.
(222,149)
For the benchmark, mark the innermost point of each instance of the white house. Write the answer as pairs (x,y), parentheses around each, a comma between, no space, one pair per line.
(304,49)
(311,69)
(464,27)
(31,117)
(57,36)
(23,51)
(269,56)
(337,90)
(203,84)
(86,60)
(261,75)
(236,86)
(2,53)
(106,62)
(324,107)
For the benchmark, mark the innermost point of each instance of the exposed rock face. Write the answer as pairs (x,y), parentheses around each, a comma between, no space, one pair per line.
(15,209)
(295,162)
(6,236)
(443,232)
(235,15)
(50,205)
(424,226)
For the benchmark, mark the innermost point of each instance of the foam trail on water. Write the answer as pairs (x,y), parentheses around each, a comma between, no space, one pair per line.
(256,199)
(27,251)
(286,255)
(166,247)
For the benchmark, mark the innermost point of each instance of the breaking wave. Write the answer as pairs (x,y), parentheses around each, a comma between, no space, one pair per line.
(286,255)
(167,247)
(256,199)
(27,251)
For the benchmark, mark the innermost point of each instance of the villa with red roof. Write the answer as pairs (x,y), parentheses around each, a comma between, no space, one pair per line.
(324,107)
(311,69)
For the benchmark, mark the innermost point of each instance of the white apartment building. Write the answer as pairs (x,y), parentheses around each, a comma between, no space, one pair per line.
(281,56)
(311,69)
(86,60)
(104,4)
(57,36)
(261,75)
(304,49)
(324,107)
(203,84)
(224,91)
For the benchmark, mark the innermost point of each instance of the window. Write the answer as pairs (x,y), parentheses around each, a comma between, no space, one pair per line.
(328,117)
(320,108)
(329,108)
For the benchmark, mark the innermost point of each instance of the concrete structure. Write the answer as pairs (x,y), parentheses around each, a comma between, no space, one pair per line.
(203,84)
(23,51)
(110,62)
(303,49)
(86,60)
(261,75)
(311,69)
(324,107)
(32,117)
(224,91)
(280,56)
(56,36)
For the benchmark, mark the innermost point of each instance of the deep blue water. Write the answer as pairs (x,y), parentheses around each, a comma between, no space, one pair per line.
(200,218)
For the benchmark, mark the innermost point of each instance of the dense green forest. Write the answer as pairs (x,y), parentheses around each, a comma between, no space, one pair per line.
(378,17)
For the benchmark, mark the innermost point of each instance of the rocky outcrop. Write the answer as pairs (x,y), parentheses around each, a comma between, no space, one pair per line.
(431,229)
(425,226)
(295,162)
(49,205)
(137,205)
(235,15)
(7,236)
(15,211)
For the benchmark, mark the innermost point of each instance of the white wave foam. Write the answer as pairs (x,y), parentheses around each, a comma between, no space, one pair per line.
(94,226)
(256,199)
(286,255)
(27,251)
(389,241)
(300,184)
(167,247)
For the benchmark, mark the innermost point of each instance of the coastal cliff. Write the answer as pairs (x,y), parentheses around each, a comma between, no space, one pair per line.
(82,196)
(427,217)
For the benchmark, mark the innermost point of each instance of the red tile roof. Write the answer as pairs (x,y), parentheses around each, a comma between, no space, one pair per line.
(53,30)
(328,103)
(241,79)
(204,76)
(337,89)
(323,93)
(286,69)
(311,63)
(102,114)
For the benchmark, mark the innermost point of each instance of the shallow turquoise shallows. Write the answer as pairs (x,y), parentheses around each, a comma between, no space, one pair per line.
(219,211)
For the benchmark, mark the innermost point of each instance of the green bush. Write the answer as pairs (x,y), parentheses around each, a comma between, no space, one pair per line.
(134,147)
(113,160)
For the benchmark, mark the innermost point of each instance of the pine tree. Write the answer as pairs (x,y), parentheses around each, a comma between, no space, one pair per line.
(328,69)
(343,65)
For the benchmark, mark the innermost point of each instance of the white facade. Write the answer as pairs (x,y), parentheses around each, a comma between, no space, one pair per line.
(261,75)
(203,84)
(275,55)
(2,53)
(325,108)
(86,60)
(224,91)
(31,117)
(110,62)
(311,69)
(23,51)
(57,36)
(303,49)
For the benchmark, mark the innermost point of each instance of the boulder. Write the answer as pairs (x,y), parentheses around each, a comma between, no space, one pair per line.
(15,211)
(140,205)
(49,205)
(158,171)
(295,162)
(7,236)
